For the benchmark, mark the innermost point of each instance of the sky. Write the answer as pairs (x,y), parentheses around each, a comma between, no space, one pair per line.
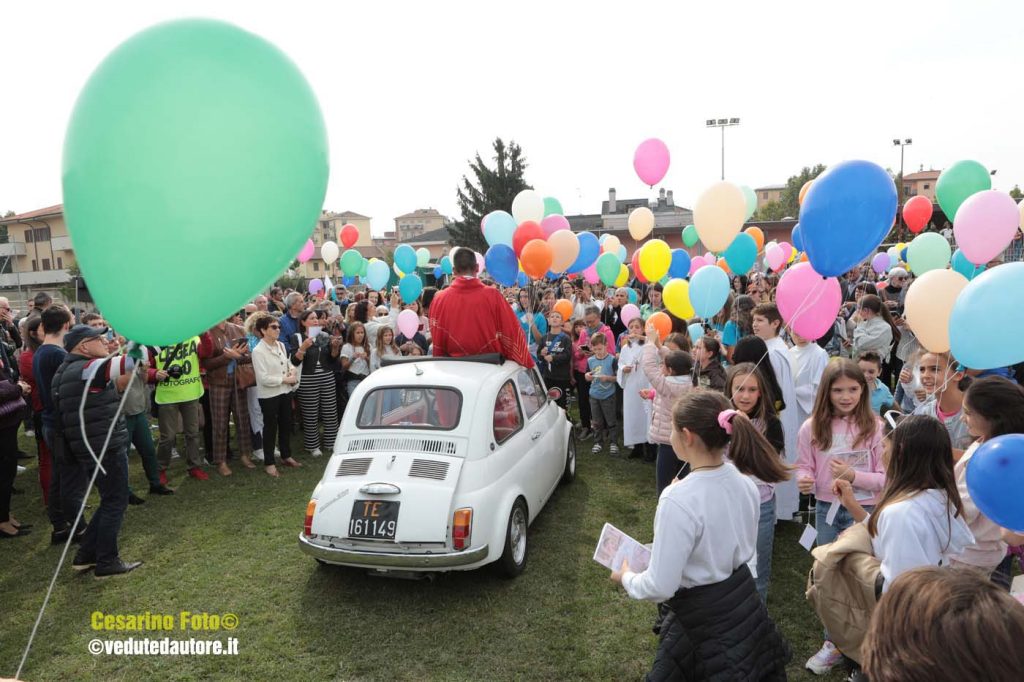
(411,91)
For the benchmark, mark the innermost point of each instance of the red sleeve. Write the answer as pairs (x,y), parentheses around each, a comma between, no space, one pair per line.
(205,346)
(439,334)
(25,367)
(510,332)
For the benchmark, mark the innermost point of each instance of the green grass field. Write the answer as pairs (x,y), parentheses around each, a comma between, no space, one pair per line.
(229,546)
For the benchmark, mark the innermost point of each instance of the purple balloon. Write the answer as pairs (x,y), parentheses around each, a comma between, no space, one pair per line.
(315,285)
(880,263)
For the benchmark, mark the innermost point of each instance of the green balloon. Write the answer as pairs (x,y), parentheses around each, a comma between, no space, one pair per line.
(928,251)
(751,198)
(552,207)
(364,267)
(958,182)
(608,267)
(690,236)
(351,262)
(195,160)
(422,257)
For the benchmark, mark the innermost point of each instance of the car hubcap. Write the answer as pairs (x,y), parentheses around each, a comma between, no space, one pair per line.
(518,535)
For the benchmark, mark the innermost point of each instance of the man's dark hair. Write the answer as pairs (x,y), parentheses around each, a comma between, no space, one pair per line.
(680,362)
(89,317)
(54,319)
(870,356)
(463,261)
(42,300)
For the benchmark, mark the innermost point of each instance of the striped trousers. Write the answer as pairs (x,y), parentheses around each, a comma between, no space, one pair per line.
(223,401)
(319,402)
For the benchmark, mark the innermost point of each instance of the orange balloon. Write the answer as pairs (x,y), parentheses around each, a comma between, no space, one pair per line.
(661,322)
(725,266)
(803,191)
(564,307)
(535,258)
(803,258)
(758,236)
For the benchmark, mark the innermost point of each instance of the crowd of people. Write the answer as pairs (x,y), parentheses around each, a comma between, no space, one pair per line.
(745,422)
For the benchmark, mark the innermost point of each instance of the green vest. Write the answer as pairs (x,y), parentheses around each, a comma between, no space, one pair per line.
(188,386)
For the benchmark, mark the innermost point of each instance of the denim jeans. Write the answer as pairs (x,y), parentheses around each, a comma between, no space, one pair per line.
(765,543)
(142,438)
(828,533)
(100,541)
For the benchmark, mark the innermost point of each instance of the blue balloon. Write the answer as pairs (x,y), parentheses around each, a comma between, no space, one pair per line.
(348,281)
(500,260)
(499,226)
(993,479)
(741,254)
(847,212)
(709,288)
(522,280)
(590,249)
(377,274)
(405,258)
(796,238)
(410,287)
(985,327)
(446,265)
(966,267)
(696,330)
(631,295)
(621,253)
(680,265)
(438,272)
(903,254)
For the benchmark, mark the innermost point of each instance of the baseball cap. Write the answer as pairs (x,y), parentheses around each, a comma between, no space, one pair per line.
(79,333)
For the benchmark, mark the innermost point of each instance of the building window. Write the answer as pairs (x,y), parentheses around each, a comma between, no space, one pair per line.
(41,234)
(927,186)
(316,266)
(60,263)
(906,189)
(46,264)
(34,267)
(764,195)
(28,236)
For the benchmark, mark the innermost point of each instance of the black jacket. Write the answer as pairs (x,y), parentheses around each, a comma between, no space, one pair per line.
(320,352)
(720,632)
(560,347)
(712,376)
(100,408)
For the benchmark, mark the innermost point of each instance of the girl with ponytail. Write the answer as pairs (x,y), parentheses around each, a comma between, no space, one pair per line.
(703,549)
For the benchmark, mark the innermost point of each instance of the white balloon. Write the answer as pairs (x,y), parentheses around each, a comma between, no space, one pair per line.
(329,252)
(528,205)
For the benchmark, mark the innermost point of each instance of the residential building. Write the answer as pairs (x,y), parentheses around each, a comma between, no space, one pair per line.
(328,229)
(37,255)
(921,183)
(419,222)
(769,193)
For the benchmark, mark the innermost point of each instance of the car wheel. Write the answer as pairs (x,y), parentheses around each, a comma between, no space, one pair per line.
(569,475)
(513,559)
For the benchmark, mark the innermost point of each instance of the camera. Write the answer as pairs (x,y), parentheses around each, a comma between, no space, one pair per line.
(175,371)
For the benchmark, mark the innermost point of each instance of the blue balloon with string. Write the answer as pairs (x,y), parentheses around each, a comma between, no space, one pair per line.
(696,331)
(631,295)
(522,280)
(438,272)
(796,238)
(500,261)
(410,287)
(446,265)
(590,249)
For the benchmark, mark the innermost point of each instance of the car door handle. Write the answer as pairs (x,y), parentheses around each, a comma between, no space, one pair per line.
(535,436)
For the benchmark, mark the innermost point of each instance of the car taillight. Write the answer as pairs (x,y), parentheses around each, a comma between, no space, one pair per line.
(307,527)
(462,528)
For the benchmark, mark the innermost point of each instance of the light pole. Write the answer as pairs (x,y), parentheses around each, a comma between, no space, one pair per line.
(722,123)
(899,188)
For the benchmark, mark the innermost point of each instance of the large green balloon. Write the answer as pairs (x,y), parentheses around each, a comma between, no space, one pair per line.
(958,182)
(690,235)
(195,164)
(608,267)
(928,251)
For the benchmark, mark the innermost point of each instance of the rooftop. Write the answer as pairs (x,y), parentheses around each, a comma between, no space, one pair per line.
(421,213)
(55,210)
(769,188)
(352,214)
(923,175)
(440,235)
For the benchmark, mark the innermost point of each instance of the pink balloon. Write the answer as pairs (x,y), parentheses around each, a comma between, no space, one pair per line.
(629,312)
(480,264)
(308,249)
(651,161)
(553,223)
(696,263)
(408,323)
(590,274)
(787,251)
(775,257)
(710,258)
(807,301)
(985,224)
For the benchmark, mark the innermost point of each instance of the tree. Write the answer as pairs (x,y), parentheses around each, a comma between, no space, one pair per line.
(788,205)
(491,189)
(1016,194)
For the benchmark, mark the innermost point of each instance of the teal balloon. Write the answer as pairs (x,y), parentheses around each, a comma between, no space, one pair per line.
(964,266)
(751,199)
(189,139)
(986,326)
(446,265)
(690,235)
(741,254)
(410,287)
(351,262)
(608,266)
(621,253)
(363,267)
(928,251)
(405,258)
(377,274)
(552,207)
(631,295)
(709,289)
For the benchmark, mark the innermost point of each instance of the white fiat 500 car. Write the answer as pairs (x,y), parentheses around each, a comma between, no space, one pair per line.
(440,464)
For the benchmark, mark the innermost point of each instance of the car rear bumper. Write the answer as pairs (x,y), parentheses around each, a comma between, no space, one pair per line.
(396,560)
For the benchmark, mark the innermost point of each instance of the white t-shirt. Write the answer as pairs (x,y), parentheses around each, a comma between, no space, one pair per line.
(360,364)
(699,539)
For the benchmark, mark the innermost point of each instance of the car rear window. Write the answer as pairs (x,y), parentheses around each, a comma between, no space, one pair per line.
(411,407)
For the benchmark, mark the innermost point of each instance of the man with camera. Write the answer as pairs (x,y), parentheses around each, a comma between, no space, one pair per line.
(178,399)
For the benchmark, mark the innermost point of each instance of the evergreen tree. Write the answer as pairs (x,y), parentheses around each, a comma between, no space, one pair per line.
(491,189)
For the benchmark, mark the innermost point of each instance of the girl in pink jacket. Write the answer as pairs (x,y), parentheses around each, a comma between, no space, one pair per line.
(669,374)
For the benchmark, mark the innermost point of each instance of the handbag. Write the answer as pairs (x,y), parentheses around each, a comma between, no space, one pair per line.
(14,410)
(245,376)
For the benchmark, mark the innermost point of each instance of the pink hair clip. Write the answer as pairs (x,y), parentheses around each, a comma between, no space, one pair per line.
(725,420)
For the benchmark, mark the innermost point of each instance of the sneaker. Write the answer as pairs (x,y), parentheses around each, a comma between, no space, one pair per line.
(120,568)
(257,455)
(21,470)
(826,659)
(596,449)
(277,452)
(174,453)
(135,499)
(584,434)
(613,449)
(163,478)
(161,489)
(30,433)
(317,452)
(198,474)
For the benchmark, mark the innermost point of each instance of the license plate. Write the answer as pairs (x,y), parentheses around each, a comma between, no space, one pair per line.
(373,520)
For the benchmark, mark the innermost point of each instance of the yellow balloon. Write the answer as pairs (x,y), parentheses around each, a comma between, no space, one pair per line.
(655,259)
(611,245)
(641,223)
(718,215)
(676,297)
(623,277)
(929,304)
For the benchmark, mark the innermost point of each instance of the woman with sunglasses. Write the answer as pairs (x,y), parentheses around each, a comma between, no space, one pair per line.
(276,378)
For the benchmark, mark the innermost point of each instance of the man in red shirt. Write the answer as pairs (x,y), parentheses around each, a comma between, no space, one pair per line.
(468,318)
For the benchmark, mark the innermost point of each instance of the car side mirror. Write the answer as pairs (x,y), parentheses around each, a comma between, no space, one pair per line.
(554,393)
